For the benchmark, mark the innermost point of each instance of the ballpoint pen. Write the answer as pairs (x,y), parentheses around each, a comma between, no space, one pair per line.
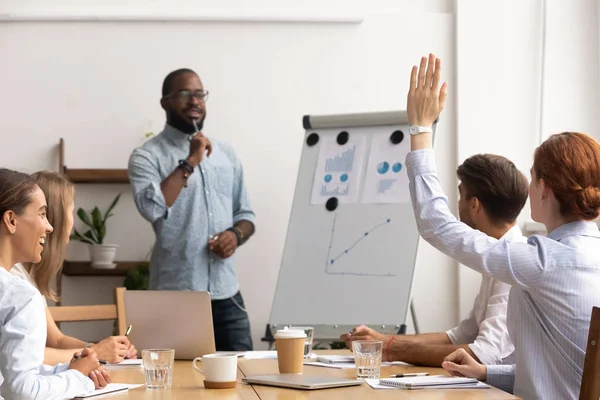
(128,330)
(77,357)
(409,374)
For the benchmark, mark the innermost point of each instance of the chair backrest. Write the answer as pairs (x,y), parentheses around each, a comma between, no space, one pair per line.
(101,312)
(590,383)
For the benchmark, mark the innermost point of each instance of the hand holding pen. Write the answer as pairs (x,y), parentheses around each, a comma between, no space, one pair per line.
(199,144)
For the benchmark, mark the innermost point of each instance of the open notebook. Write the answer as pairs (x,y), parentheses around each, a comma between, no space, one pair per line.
(433,382)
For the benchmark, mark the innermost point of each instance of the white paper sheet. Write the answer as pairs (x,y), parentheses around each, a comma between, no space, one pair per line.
(339,365)
(386,180)
(339,170)
(133,363)
(111,388)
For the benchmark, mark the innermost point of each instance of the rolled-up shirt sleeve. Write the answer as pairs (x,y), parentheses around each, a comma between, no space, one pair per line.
(501,377)
(145,182)
(465,332)
(22,341)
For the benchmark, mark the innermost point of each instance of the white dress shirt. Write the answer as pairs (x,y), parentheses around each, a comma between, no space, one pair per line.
(485,327)
(22,341)
(19,271)
(555,283)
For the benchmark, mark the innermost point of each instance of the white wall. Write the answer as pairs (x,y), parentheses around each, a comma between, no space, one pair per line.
(237,7)
(502,108)
(92,124)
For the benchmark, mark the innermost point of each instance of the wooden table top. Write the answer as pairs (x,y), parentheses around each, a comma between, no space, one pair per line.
(187,384)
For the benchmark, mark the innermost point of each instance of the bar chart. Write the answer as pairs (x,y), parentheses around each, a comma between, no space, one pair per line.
(342,162)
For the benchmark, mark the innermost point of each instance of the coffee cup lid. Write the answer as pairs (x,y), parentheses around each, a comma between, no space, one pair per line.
(287,333)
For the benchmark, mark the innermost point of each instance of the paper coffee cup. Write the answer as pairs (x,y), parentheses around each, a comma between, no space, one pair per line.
(290,350)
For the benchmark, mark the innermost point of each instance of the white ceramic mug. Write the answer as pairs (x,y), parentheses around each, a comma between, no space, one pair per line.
(218,367)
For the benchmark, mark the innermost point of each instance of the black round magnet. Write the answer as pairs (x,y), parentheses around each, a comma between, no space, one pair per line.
(312,139)
(397,137)
(331,204)
(342,138)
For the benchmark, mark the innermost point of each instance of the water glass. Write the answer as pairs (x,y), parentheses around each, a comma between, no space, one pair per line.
(158,367)
(367,357)
(308,342)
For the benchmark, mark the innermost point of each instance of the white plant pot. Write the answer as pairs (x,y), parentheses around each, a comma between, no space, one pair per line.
(103,255)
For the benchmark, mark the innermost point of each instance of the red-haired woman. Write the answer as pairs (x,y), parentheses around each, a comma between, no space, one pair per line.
(555,279)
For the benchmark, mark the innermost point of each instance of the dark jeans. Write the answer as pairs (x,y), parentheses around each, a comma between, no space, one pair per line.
(231,324)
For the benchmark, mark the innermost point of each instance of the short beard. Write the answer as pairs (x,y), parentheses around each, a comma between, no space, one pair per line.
(182,125)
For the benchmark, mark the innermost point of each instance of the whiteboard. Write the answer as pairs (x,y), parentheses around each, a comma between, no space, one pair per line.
(352,262)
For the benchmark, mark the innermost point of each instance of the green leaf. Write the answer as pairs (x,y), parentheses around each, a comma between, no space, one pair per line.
(90,235)
(97,219)
(101,232)
(112,205)
(79,237)
(85,217)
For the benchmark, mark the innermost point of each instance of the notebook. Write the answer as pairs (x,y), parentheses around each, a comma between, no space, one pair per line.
(430,382)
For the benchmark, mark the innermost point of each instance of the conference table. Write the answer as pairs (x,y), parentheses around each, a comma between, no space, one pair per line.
(187,384)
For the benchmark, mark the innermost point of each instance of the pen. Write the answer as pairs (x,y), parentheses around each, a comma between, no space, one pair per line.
(409,374)
(77,357)
(128,330)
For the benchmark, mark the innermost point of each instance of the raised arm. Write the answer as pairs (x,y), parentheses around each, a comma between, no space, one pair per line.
(514,263)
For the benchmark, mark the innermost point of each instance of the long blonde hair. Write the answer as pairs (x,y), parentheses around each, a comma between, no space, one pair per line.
(59,196)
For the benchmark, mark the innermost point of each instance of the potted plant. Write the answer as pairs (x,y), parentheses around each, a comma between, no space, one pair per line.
(102,255)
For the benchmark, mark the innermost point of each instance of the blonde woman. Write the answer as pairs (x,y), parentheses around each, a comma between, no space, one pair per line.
(59,193)
(24,229)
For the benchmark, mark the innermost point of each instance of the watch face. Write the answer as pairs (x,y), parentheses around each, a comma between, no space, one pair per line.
(413,130)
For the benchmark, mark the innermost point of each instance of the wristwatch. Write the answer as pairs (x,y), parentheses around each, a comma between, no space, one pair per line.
(416,129)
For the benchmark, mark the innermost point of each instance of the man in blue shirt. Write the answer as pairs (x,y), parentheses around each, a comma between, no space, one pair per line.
(191,189)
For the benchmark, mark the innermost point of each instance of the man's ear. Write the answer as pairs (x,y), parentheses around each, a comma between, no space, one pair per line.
(544,190)
(475,205)
(164,103)
(10,222)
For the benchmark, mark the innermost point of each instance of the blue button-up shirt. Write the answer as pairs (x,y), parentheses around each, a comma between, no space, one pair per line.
(22,342)
(555,283)
(213,201)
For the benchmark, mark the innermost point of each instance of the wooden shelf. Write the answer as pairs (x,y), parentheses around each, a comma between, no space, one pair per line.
(96,175)
(90,175)
(84,268)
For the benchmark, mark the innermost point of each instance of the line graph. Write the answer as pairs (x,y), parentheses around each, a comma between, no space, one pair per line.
(330,261)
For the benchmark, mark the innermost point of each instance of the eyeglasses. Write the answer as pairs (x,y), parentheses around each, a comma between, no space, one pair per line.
(186,95)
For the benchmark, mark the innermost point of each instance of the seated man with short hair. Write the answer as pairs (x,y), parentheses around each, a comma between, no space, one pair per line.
(492,193)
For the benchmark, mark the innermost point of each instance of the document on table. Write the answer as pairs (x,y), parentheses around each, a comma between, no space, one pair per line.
(348,365)
(129,363)
(109,389)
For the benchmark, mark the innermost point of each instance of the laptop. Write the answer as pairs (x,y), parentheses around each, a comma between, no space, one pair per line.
(305,382)
(171,319)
